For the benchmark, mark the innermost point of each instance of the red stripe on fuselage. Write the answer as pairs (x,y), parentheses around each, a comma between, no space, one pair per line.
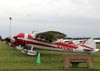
(67,45)
(63,45)
(87,47)
(40,44)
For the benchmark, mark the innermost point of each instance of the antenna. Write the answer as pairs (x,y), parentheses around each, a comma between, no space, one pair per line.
(10,18)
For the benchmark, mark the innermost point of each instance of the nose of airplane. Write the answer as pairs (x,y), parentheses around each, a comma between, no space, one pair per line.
(12,40)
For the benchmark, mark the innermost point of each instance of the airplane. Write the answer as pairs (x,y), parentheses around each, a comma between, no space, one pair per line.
(97,41)
(27,43)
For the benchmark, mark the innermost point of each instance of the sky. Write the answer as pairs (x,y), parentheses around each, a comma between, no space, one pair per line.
(75,18)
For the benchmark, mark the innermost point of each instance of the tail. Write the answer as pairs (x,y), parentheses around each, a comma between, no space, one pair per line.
(90,44)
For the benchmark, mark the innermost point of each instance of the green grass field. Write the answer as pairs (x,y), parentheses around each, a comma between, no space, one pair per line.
(10,58)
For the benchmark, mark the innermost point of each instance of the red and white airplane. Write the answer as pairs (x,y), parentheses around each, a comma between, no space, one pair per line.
(29,41)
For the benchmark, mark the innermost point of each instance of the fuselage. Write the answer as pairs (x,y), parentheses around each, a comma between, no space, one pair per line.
(60,45)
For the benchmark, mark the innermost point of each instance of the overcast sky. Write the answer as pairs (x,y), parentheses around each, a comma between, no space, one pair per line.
(76,18)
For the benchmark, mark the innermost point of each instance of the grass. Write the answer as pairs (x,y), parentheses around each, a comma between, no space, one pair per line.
(10,58)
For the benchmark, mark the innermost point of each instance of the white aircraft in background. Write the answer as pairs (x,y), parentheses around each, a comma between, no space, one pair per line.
(97,41)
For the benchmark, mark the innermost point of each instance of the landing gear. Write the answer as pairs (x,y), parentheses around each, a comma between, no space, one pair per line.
(19,47)
(28,50)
